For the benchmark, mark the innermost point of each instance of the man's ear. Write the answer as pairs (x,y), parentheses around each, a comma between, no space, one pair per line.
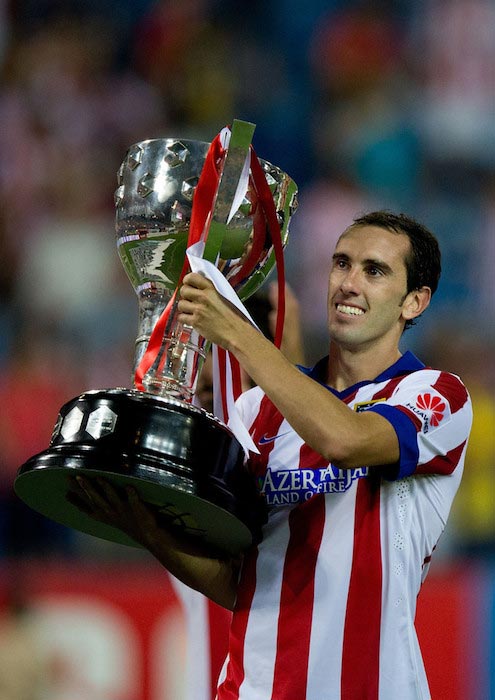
(415,303)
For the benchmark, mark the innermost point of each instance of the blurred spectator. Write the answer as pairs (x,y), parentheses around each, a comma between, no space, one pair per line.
(70,281)
(66,119)
(184,56)
(363,124)
(33,387)
(23,668)
(453,48)
(213,61)
(354,51)
(325,209)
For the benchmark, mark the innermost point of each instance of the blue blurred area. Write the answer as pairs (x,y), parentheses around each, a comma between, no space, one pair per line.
(389,104)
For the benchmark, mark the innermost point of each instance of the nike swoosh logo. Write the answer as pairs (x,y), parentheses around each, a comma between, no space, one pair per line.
(266,439)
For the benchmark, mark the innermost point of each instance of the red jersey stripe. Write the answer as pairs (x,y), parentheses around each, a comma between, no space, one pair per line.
(449,385)
(361,645)
(263,431)
(219,620)
(350,397)
(222,371)
(296,599)
(387,391)
(442,464)
(267,420)
(229,689)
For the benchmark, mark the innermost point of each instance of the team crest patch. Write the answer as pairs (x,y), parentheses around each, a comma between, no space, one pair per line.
(364,405)
(431,408)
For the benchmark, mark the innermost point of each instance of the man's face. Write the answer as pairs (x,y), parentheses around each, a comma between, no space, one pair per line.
(367,287)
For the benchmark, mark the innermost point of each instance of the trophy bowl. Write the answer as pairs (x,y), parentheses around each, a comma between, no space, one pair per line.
(179,457)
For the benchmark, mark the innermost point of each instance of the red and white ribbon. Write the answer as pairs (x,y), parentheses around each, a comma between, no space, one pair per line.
(226,389)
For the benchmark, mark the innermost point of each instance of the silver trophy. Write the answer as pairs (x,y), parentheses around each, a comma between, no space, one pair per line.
(180,458)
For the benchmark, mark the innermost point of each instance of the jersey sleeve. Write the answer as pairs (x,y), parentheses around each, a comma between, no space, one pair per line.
(431,413)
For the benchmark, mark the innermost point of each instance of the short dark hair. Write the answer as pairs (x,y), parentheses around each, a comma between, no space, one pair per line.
(423,264)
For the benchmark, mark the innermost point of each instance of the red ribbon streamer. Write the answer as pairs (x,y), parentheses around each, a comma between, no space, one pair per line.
(266,198)
(271,220)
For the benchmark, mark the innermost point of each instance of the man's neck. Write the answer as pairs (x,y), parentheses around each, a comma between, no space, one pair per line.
(347,367)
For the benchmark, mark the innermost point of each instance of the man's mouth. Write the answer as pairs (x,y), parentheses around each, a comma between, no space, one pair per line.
(349,310)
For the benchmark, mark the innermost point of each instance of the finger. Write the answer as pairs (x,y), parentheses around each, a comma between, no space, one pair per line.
(186,313)
(79,502)
(145,526)
(78,495)
(93,494)
(139,508)
(197,280)
(112,495)
(81,488)
(192,293)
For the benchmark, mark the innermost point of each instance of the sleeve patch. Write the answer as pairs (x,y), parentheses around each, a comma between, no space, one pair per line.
(430,408)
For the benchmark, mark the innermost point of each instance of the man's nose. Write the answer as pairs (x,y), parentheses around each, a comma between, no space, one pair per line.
(350,282)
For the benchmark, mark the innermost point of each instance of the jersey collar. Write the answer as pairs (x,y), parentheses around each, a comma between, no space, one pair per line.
(406,364)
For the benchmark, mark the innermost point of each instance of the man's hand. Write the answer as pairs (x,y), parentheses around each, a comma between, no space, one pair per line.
(122,510)
(212,316)
(185,558)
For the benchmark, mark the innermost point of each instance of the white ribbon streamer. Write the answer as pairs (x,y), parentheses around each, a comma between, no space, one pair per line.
(206,268)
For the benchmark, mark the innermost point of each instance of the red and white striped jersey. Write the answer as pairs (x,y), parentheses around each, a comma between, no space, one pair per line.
(326,602)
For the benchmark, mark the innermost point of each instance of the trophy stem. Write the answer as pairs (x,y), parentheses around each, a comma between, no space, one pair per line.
(177,365)
(177,351)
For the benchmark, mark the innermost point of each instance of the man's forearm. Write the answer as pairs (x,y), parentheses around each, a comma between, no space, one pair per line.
(185,558)
(214,577)
(345,438)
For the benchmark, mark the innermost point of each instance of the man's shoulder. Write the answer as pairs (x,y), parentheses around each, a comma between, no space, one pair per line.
(442,380)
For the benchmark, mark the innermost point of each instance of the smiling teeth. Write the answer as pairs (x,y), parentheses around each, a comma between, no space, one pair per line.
(352,310)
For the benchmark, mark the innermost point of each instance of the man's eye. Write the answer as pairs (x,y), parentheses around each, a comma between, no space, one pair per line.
(374,271)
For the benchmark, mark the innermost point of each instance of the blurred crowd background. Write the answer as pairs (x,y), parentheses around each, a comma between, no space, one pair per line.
(384,104)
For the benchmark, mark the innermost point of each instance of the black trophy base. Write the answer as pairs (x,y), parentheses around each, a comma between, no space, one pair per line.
(179,458)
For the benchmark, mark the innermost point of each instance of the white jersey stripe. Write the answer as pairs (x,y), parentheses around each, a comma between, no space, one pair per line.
(260,630)
(331,578)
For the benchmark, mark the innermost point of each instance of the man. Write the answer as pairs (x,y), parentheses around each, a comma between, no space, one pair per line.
(360,459)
